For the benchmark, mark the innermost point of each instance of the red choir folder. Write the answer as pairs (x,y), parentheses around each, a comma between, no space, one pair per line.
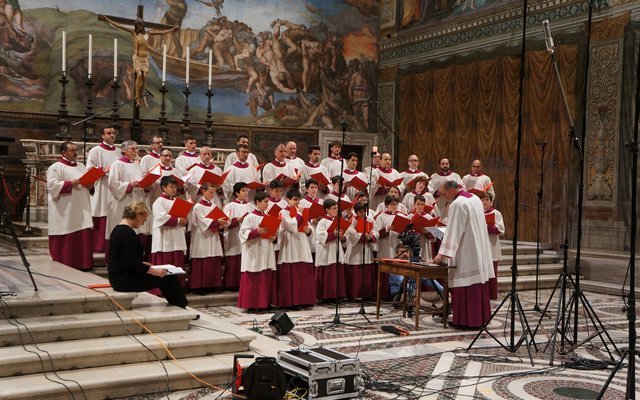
(272,224)
(305,220)
(358,184)
(212,178)
(344,204)
(255,185)
(217,214)
(475,191)
(382,181)
(344,224)
(286,181)
(192,166)
(91,176)
(274,211)
(316,211)
(293,212)
(428,208)
(363,226)
(180,208)
(150,177)
(420,222)
(319,176)
(490,218)
(260,166)
(399,223)
(178,180)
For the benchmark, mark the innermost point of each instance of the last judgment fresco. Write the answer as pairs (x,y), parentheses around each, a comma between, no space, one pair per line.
(296,63)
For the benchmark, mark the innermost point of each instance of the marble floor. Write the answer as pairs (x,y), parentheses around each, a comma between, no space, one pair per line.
(437,363)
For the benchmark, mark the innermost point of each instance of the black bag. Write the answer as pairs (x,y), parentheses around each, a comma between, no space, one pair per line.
(265,380)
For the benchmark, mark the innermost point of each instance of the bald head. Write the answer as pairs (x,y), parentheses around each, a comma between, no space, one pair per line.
(386,160)
(280,152)
(291,149)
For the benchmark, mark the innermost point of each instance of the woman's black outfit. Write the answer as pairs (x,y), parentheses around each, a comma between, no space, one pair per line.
(128,273)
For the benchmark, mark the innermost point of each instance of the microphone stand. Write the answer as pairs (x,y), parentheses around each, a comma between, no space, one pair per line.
(542,145)
(336,318)
(563,319)
(362,311)
(118,107)
(515,305)
(631,352)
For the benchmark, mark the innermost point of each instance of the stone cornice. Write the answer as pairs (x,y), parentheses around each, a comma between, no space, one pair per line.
(488,29)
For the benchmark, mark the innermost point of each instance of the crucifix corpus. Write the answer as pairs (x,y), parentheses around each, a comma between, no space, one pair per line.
(140,37)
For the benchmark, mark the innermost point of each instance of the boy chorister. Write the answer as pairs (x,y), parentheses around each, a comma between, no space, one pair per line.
(309,198)
(419,188)
(328,267)
(387,239)
(168,243)
(236,210)
(358,257)
(295,273)
(335,194)
(275,199)
(206,247)
(495,230)
(393,192)
(258,264)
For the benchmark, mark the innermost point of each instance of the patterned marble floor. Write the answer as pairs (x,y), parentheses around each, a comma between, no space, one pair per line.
(434,363)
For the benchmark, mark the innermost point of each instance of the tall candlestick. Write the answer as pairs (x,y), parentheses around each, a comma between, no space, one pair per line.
(164,63)
(210,63)
(90,54)
(64,52)
(115,58)
(186,77)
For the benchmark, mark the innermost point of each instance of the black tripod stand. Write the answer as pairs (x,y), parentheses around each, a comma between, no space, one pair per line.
(631,352)
(362,311)
(568,310)
(515,306)
(542,145)
(8,223)
(336,318)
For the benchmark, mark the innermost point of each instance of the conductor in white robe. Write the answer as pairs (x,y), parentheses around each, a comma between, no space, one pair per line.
(466,246)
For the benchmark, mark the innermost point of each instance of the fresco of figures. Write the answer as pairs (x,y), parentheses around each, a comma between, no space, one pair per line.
(302,63)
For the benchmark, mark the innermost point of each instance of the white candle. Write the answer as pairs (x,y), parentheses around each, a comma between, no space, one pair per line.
(210,63)
(64,51)
(115,58)
(164,63)
(186,77)
(90,54)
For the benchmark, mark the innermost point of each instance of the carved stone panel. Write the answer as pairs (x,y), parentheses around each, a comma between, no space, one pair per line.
(386,116)
(603,107)
(387,13)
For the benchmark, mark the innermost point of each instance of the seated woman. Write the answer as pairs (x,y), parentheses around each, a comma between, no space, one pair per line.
(127,271)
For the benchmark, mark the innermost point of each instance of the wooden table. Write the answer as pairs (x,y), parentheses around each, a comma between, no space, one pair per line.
(416,271)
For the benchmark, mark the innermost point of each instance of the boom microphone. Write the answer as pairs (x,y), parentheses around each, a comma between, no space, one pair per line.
(548,39)
(148,93)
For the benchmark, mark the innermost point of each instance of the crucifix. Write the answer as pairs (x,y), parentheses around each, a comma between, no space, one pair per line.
(140,57)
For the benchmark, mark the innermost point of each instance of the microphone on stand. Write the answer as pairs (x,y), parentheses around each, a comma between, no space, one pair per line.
(548,39)
(367,104)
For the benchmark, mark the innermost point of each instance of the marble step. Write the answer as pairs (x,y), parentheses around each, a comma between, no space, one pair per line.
(197,341)
(524,259)
(606,288)
(27,241)
(527,282)
(118,381)
(213,299)
(527,269)
(65,302)
(158,318)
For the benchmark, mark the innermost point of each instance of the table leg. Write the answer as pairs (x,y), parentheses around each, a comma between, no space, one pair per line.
(445,303)
(417,300)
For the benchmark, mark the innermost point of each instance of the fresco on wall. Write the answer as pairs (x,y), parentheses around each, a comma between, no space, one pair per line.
(416,12)
(298,63)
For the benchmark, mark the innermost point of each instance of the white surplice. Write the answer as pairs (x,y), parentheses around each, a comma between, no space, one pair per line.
(258,254)
(466,242)
(121,174)
(68,211)
(204,241)
(101,156)
(166,238)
